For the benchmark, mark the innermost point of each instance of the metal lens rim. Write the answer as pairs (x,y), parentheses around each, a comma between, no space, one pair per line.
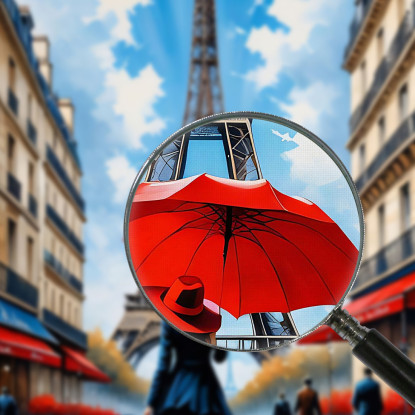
(264,117)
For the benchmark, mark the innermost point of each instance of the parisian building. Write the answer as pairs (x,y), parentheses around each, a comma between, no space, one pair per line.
(42,213)
(380,59)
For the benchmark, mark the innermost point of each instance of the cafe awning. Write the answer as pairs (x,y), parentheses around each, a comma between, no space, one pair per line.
(76,361)
(22,346)
(386,301)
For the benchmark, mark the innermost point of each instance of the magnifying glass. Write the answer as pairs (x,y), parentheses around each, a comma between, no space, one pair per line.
(245,232)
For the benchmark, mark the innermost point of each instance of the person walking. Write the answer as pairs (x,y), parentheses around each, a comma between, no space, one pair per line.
(7,403)
(307,400)
(282,407)
(367,399)
(190,387)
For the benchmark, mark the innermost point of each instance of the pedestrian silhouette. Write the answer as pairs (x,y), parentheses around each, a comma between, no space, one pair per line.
(7,403)
(307,400)
(367,398)
(282,407)
(184,382)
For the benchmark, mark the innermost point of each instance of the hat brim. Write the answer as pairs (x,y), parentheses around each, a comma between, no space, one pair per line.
(206,322)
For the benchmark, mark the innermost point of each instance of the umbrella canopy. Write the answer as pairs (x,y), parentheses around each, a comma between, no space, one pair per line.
(255,248)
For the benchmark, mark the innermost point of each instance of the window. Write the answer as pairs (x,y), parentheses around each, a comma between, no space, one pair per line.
(52,300)
(30,247)
(381,223)
(405,207)
(12,241)
(12,75)
(363,76)
(403,102)
(31,181)
(381,130)
(62,305)
(401,9)
(29,107)
(11,150)
(380,44)
(45,294)
(362,158)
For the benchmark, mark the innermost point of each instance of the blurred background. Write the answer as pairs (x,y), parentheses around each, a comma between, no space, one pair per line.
(89,88)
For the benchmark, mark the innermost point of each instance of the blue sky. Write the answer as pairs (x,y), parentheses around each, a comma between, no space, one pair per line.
(125,65)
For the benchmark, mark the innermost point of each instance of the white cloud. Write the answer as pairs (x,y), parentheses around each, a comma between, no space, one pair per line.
(309,163)
(122,10)
(122,175)
(308,106)
(133,100)
(278,47)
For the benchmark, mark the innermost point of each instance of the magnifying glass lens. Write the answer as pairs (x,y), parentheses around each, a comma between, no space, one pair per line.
(244,231)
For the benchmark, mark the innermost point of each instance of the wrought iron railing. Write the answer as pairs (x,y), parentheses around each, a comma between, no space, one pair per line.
(13,102)
(399,42)
(62,271)
(251,342)
(387,258)
(24,34)
(63,227)
(33,205)
(14,186)
(31,132)
(401,134)
(356,24)
(57,166)
(14,285)
(64,329)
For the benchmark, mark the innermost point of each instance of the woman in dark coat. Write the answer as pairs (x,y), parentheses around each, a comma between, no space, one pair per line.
(185,384)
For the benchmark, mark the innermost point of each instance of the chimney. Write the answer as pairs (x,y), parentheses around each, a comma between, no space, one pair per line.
(26,17)
(41,48)
(68,111)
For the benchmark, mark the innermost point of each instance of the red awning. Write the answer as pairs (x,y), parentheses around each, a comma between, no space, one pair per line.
(22,346)
(386,301)
(76,361)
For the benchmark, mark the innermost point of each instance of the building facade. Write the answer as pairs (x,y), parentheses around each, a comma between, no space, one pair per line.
(42,212)
(380,58)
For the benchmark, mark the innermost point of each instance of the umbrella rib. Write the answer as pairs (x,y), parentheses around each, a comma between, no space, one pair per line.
(305,256)
(239,277)
(272,265)
(310,228)
(197,249)
(185,226)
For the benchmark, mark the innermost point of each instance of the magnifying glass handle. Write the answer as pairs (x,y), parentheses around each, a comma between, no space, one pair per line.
(377,353)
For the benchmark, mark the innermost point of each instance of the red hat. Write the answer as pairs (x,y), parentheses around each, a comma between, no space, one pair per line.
(182,305)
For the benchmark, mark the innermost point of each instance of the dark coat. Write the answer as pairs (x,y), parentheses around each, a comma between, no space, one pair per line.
(367,398)
(7,405)
(186,383)
(282,408)
(307,402)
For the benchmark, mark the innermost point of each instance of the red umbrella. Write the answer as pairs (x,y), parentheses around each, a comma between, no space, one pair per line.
(255,248)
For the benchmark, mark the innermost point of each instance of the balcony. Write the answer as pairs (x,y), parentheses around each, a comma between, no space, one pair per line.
(387,258)
(33,205)
(403,133)
(357,22)
(31,132)
(60,171)
(63,227)
(406,30)
(64,329)
(17,287)
(63,272)
(13,186)
(13,102)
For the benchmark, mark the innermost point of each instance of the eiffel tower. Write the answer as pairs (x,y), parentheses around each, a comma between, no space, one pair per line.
(139,328)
